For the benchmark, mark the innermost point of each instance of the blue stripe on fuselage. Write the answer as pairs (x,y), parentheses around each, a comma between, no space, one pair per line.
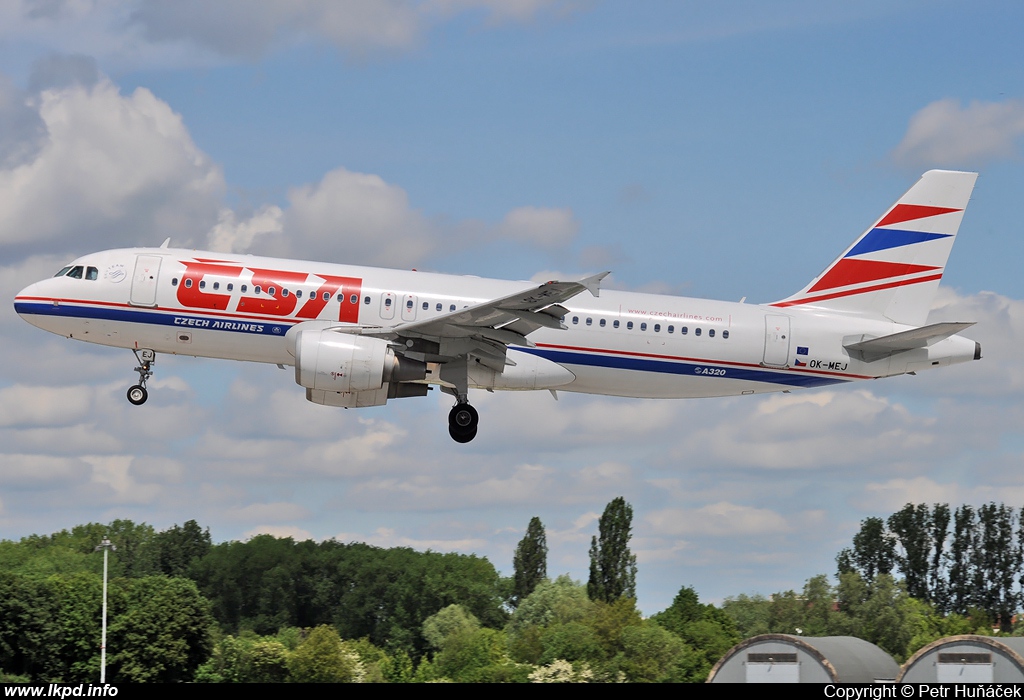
(708,370)
(210,323)
(639,364)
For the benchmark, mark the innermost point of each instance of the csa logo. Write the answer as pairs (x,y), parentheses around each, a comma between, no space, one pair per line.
(115,273)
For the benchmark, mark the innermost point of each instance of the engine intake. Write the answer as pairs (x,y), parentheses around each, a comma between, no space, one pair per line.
(330,361)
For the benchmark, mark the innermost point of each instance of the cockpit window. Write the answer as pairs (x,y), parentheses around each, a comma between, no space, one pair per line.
(91,273)
(63,271)
(76,272)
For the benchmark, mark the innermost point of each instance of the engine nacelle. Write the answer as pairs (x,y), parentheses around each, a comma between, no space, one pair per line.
(340,362)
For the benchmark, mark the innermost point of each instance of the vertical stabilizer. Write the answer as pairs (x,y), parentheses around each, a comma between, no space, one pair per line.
(893,270)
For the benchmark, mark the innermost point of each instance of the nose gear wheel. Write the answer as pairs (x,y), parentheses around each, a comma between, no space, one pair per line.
(137,394)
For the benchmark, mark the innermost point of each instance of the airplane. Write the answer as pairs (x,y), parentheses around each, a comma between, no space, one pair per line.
(359,336)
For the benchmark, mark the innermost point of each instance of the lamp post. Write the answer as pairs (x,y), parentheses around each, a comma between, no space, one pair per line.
(106,545)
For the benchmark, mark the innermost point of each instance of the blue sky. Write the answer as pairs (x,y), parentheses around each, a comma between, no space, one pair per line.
(720,150)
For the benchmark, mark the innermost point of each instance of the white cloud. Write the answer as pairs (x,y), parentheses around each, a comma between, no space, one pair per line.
(41,471)
(114,170)
(822,429)
(1003,484)
(1000,330)
(946,134)
(543,227)
(269,512)
(722,519)
(296,533)
(116,473)
(357,218)
(249,28)
(232,235)
(500,11)
(389,537)
(22,406)
(22,131)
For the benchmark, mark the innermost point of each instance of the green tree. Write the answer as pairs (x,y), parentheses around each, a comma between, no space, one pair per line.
(162,632)
(324,658)
(447,621)
(961,575)
(612,565)
(939,585)
(912,528)
(530,562)
(177,547)
(707,631)
(996,564)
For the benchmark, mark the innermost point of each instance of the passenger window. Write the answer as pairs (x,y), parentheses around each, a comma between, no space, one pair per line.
(725,335)
(298,293)
(575,320)
(696,331)
(231,287)
(387,303)
(188,284)
(643,326)
(216,286)
(366,300)
(245,288)
(353,299)
(327,296)
(590,321)
(602,323)
(426,306)
(711,332)
(452,307)
(657,328)
(438,306)
(271,290)
(257,289)
(629,325)
(408,304)
(91,273)
(683,330)
(174,282)
(202,284)
(615,323)
(671,329)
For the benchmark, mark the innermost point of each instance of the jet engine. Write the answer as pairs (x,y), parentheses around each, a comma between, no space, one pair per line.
(326,360)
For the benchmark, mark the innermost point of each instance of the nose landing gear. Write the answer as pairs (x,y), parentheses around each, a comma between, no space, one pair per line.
(137,394)
(462,422)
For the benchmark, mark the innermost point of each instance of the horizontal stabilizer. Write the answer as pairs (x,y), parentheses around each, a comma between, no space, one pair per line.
(876,348)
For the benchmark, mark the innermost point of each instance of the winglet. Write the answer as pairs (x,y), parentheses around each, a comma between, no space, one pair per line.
(593,283)
(166,243)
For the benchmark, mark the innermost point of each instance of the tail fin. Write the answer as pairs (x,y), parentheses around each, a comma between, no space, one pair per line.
(893,270)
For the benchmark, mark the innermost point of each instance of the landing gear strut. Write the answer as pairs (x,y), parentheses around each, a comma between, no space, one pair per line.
(462,422)
(137,394)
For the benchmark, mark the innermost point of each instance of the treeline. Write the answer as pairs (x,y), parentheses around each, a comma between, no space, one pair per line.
(273,609)
(958,561)
(879,611)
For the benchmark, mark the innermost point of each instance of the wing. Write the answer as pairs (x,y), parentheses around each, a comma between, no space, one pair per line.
(485,330)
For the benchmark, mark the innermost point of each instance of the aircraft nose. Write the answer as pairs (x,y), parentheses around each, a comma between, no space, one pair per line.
(24,299)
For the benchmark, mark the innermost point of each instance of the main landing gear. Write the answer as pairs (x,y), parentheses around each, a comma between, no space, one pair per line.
(462,422)
(137,394)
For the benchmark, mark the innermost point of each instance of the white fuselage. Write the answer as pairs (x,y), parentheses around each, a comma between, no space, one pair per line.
(241,307)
